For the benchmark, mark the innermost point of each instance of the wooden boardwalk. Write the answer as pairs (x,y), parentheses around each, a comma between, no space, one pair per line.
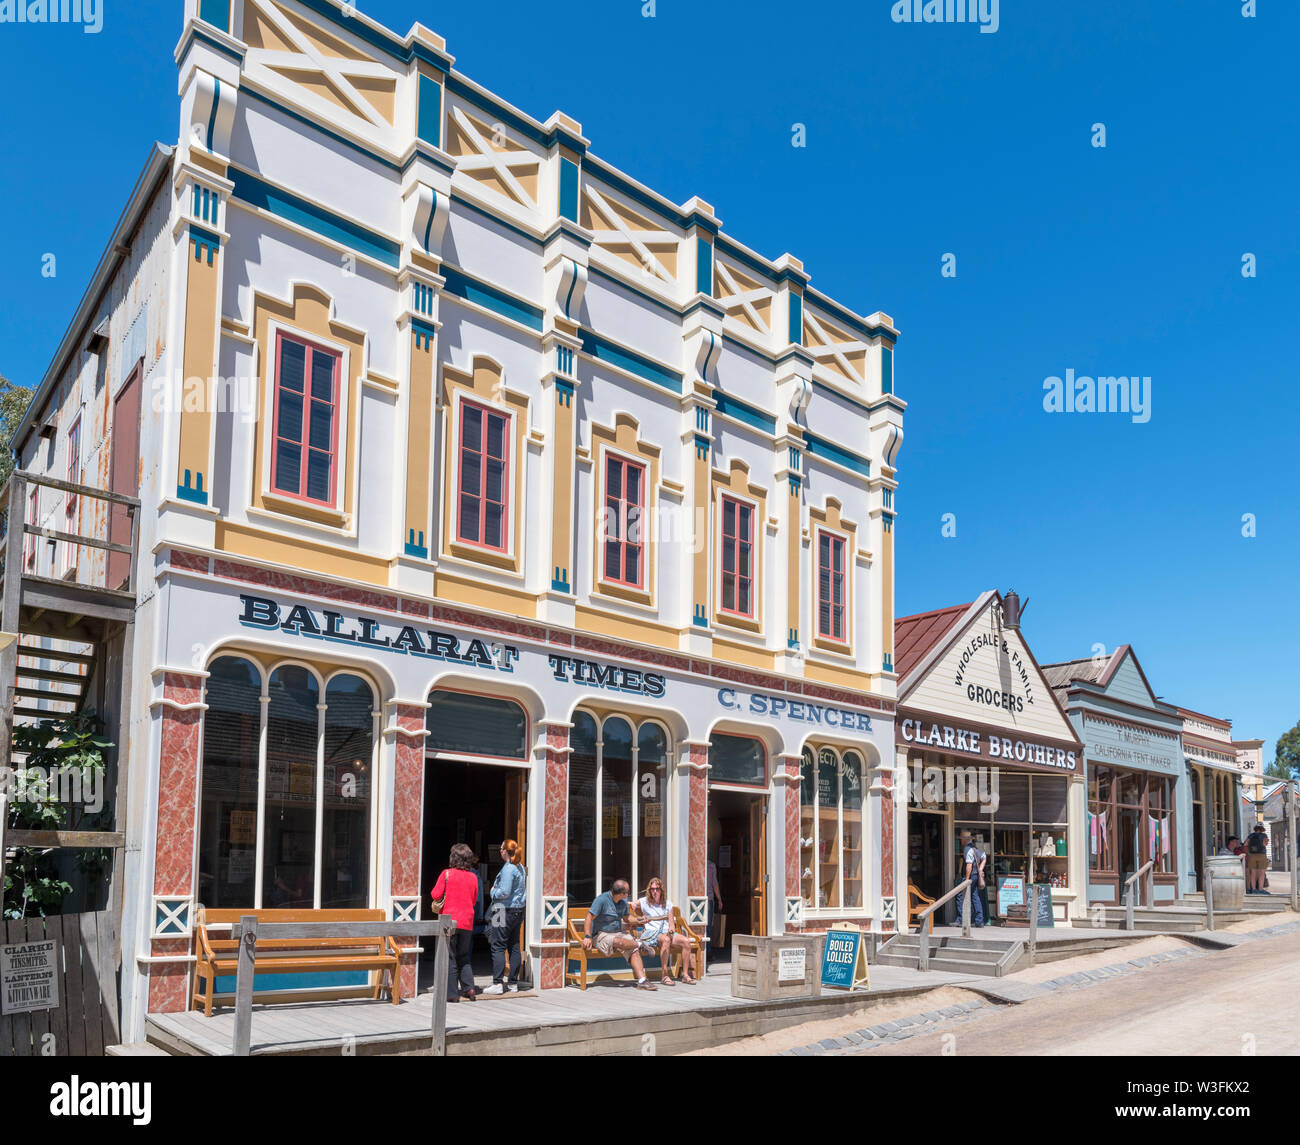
(606,1018)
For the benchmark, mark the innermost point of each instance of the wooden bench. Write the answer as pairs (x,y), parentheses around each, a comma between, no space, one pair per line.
(593,962)
(917,902)
(217,954)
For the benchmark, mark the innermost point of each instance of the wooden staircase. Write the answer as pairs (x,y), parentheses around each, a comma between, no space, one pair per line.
(65,643)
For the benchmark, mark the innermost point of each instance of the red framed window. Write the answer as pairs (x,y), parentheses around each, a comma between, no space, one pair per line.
(484,477)
(830,587)
(624,505)
(30,540)
(737,557)
(305,455)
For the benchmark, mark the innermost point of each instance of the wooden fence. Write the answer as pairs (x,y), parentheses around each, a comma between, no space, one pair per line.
(86,1020)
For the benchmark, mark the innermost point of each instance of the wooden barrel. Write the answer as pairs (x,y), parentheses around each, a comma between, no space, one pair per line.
(1229,877)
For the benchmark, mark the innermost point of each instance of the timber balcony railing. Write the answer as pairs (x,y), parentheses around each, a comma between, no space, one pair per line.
(92,519)
(65,594)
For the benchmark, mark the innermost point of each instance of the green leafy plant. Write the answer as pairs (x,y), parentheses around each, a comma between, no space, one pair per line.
(62,755)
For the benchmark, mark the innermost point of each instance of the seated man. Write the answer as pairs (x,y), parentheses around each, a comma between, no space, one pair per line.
(605,929)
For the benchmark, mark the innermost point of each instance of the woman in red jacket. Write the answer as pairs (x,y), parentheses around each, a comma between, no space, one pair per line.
(455,895)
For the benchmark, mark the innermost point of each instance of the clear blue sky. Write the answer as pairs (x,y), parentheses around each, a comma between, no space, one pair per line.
(922,140)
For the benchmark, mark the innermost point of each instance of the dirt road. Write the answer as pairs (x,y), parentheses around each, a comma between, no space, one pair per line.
(1239,1001)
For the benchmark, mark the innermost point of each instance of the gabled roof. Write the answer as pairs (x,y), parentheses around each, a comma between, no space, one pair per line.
(1100,672)
(915,636)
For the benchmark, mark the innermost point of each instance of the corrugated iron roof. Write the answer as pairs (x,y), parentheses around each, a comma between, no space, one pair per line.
(915,636)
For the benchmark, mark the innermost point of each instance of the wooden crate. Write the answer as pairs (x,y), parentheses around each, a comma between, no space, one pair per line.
(755,964)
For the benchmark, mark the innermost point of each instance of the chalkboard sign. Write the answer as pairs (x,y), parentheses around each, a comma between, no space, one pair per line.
(1046,916)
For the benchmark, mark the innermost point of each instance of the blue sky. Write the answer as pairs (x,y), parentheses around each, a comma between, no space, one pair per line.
(921,140)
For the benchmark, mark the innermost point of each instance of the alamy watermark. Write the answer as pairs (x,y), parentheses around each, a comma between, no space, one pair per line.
(974,784)
(981,12)
(88,13)
(1082,394)
(67,785)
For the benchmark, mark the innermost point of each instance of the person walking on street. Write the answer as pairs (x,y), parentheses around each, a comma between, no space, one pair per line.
(455,895)
(505,915)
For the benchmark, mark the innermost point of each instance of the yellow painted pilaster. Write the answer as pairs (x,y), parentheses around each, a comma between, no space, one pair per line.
(200,231)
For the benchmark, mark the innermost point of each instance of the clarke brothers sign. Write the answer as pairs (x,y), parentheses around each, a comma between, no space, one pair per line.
(433,644)
(986,743)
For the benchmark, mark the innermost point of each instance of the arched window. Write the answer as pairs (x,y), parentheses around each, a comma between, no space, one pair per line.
(228,809)
(293,723)
(618,804)
(306,757)
(581,879)
(651,803)
(349,753)
(830,829)
(476,725)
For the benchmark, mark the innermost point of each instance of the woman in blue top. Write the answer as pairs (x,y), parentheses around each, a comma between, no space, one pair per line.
(505,914)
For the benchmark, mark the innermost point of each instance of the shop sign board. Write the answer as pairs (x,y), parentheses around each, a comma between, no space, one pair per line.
(29,977)
(791,964)
(844,962)
(1011,892)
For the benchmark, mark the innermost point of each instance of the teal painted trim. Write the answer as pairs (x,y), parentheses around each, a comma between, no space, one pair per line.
(377,37)
(887,663)
(704,266)
(560,581)
(415,546)
(461,285)
(886,369)
(742,412)
(429,126)
(568,298)
(820,447)
(796,318)
(733,251)
(215,45)
(192,489)
(701,619)
(328,980)
(216,102)
(321,129)
(499,111)
(831,391)
(841,314)
(563,392)
(285,205)
(796,484)
(424,334)
(568,191)
(204,243)
(701,446)
(605,351)
(216,13)
(619,182)
(668,307)
(533,240)
(428,226)
(887,519)
(793,640)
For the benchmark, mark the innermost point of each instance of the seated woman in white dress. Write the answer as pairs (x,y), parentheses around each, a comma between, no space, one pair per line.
(658,935)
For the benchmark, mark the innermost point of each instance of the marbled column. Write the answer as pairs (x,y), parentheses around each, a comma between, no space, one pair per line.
(408,811)
(887,845)
(697,828)
(555,846)
(178,769)
(790,765)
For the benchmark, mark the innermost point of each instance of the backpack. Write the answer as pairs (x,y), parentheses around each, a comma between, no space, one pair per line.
(1255,845)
